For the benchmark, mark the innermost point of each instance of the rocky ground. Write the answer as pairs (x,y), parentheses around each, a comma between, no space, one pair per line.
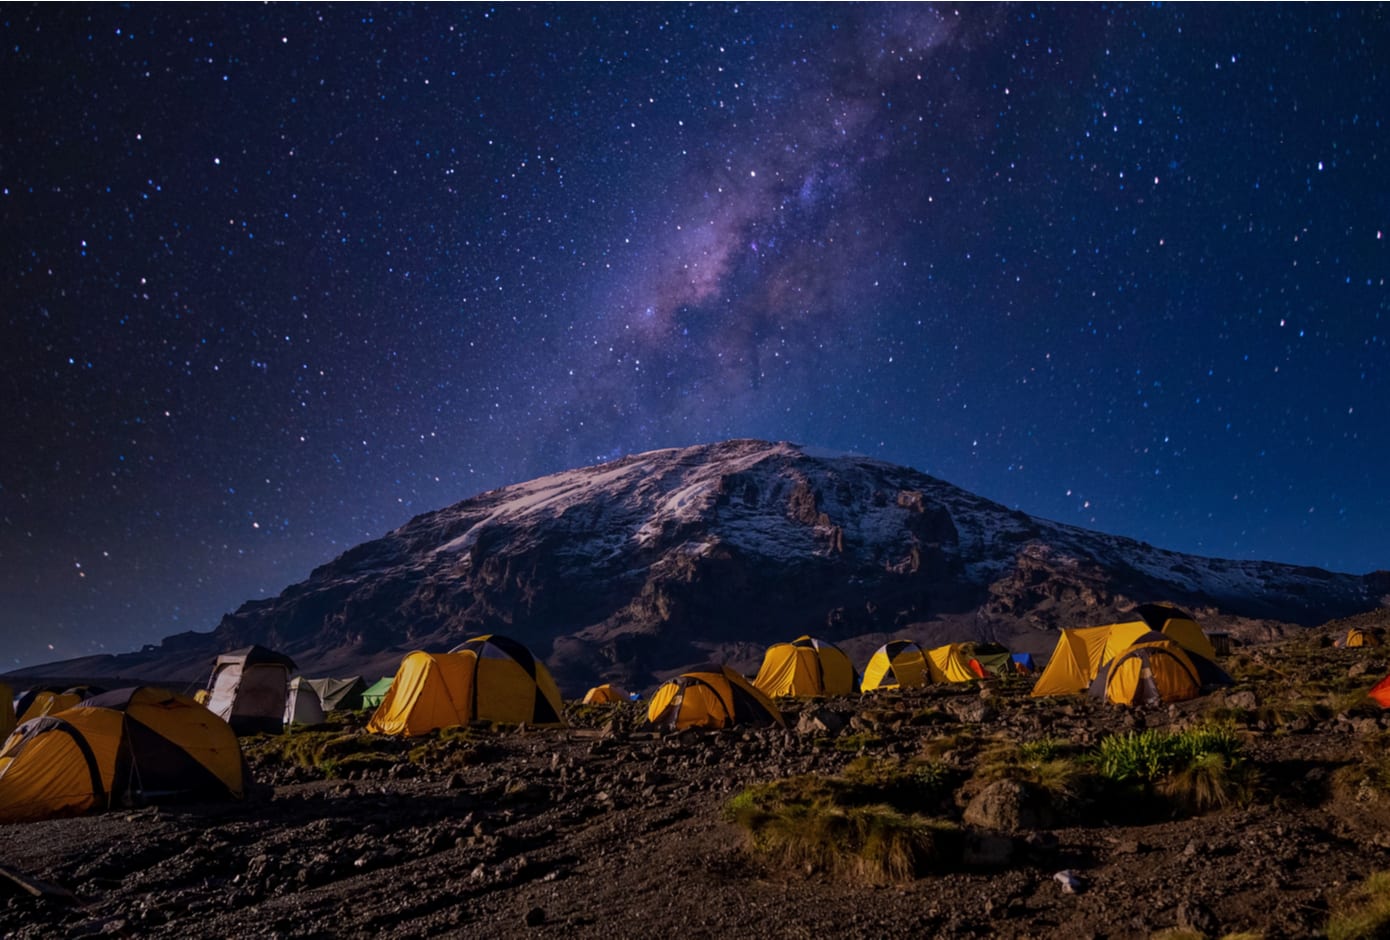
(603,830)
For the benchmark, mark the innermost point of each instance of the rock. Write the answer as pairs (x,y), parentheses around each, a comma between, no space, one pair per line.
(971,710)
(1070,881)
(1007,805)
(1242,699)
(535,917)
(820,720)
(1195,916)
(1358,669)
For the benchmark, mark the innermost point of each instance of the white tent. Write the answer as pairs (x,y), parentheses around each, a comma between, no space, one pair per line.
(248,688)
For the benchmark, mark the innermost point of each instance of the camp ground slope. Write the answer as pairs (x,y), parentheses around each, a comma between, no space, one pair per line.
(632,570)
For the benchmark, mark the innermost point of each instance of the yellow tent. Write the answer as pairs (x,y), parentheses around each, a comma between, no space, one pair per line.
(123,748)
(1156,669)
(1357,637)
(712,696)
(1177,625)
(949,664)
(896,664)
(488,678)
(604,695)
(805,666)
(1074,662)
(40,702)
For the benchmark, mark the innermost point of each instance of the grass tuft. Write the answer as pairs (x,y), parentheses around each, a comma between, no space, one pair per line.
(1367,915)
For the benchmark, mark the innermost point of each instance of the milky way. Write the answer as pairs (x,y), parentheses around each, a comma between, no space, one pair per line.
(279,278)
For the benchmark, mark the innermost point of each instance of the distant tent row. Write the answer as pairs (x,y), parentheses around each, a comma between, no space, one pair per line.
(904,664)
(129,747)
(712,696)
(1163,657)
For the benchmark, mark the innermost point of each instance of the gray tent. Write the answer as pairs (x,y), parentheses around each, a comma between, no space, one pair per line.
(248,688)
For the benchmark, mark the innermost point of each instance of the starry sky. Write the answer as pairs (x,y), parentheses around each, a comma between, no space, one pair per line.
(279,278)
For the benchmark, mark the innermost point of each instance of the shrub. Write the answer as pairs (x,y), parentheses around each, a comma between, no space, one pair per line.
(819,824)
(1198,769)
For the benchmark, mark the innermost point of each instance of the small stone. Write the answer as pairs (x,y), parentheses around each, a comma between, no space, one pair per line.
(535,917)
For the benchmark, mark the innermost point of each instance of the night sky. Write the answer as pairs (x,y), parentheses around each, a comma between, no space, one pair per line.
(277,279)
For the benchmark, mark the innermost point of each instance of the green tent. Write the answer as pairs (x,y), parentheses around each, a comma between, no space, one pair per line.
(377,691)
(345,694)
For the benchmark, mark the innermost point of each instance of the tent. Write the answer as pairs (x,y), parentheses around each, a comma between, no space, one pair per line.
(1380,693)
(711,696)
(248,688)
(990,659)
(1023,664)
(949,664)
(896,664)
(1156,668)
(605,694)
(302,705)
(123,748)
(1357,637)
(1081,652)
(36,703)
(7,717)
(339,694)
(1177,625)
(374,693)
(805,666)
(488,678)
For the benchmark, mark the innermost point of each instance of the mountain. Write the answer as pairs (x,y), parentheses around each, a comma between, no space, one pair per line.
(631,570)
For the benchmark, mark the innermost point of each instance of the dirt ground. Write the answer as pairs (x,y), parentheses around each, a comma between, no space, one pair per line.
(600,831)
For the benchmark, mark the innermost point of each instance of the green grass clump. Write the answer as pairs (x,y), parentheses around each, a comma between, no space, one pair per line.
(859,741)
(1367,916)
(816,823)
(1198,770)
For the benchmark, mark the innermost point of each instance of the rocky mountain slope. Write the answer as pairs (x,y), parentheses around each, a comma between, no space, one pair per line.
(634,569)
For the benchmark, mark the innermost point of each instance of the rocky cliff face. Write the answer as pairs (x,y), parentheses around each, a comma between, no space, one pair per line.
(633,569)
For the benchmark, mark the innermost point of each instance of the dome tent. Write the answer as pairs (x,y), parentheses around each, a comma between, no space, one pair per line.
(896,664)
(805,666)
(487,678)
(248,688)
(1155,669)
(606,694)
(129,747)
(711,696)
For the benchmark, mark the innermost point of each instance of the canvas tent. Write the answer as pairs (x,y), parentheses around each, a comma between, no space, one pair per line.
(896,664)
(1357,637)
(1155,669)
(248,688)
(129,747)
(373,694)
(805,666)
(1380,693)
(949,664)
(1177,625)
(1082,652)
(488,678)
(711,696)
(1023,664)
(302,705)
(990,659)
(38,702)
(339,694)
(605,694)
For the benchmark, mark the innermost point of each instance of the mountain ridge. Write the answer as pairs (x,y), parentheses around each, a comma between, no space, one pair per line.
(632,569)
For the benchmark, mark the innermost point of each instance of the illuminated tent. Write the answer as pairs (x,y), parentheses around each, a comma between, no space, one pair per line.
(1380,693)
(1357,637)
(712,696)
(488,678)
(896,664)
(949,664)
(605,694)
(248,688)
(1156,669)
(129,747)
(1082,652)
(1177,625)
(36,703)
(805,666)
